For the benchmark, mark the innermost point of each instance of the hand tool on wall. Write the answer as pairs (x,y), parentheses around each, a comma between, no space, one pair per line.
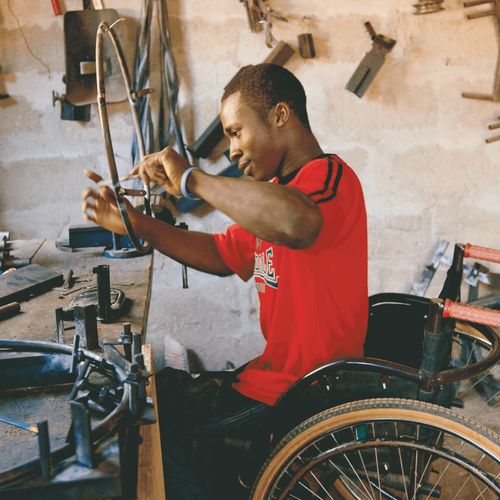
(254,15)
(495,96)
(428,6)
(79,37)
(371,63)
(80,27)
(306,42)
(260,14)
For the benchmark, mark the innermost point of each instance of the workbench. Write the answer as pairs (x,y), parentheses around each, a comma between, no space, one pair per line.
(37,321)
(37,318)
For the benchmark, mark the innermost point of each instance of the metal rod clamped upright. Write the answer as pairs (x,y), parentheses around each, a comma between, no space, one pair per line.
(86,326)
(371,63)
(44,450)
(103,292)
(80,424)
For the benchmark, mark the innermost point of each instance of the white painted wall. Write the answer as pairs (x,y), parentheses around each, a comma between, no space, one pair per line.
(416,144)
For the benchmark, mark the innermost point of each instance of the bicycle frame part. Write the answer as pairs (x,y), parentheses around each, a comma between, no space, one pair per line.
(119,191)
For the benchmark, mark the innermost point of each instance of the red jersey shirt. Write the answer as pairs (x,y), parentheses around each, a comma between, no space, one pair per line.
(314,301)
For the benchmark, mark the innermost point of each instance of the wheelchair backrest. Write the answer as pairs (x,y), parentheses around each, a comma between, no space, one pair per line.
(396,328)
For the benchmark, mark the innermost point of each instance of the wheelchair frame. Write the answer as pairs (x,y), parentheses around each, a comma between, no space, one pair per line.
(416,366)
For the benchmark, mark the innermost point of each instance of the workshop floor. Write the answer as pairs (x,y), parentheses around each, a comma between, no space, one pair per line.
(476,408)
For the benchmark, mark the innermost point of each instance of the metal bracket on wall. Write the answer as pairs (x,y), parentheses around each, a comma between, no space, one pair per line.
(69,111)
(495,96)
(428,6)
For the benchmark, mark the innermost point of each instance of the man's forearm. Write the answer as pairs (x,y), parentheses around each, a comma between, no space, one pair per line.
(195,249)
(273,212)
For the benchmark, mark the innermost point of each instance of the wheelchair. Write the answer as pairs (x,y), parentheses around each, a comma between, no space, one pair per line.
(381,427)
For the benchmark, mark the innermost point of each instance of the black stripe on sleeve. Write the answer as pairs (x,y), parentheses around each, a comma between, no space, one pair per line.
(335,185)
(329,191)
(327,180)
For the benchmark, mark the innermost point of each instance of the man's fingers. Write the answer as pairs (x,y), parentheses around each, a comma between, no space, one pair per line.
(107,194)
(93,176)
(144,176)
(90,193)
(89,216)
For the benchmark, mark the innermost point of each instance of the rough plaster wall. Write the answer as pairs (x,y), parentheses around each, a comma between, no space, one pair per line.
(415,143)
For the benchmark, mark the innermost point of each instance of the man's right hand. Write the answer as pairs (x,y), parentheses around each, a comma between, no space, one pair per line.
(100,207)
(164,168)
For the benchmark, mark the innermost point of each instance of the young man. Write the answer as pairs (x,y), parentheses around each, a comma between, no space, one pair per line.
(300,231)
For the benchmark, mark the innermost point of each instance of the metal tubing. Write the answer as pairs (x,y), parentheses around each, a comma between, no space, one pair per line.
(103,116)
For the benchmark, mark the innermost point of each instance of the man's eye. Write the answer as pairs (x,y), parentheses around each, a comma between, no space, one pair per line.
(237,133)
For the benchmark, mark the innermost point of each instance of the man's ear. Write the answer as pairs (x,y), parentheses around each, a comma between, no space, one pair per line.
(281,113)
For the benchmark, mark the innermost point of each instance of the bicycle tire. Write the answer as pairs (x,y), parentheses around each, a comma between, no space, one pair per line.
(381,410)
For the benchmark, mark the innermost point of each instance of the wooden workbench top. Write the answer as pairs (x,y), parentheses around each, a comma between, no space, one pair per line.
(37,318)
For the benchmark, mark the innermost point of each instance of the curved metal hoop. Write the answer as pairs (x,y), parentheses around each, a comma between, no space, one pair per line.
(105,428)
(119,191)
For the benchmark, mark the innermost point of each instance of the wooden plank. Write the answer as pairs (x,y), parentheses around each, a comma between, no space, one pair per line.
(150,482)
(27,281)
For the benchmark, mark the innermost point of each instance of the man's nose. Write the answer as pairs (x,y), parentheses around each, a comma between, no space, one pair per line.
(235,153)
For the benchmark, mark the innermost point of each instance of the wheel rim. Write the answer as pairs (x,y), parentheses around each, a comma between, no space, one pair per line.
(395,458)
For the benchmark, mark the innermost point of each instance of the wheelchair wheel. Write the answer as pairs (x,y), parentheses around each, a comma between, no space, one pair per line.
(383,448)
(470,347)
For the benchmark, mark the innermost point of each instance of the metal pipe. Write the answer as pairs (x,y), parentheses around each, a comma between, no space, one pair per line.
(104,120)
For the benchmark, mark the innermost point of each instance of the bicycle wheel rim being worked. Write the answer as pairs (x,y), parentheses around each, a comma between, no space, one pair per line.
(383,448)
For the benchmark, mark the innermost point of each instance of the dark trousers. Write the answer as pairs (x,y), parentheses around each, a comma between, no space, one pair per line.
(203,421)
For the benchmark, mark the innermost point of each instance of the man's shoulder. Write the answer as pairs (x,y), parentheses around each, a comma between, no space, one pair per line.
(326,167)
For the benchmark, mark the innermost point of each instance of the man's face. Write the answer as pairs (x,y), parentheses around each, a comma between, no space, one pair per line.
(253,140)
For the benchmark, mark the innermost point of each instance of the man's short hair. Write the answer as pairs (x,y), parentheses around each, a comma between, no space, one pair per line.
(262,86)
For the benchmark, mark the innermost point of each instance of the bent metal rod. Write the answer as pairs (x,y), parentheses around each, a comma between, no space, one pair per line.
(132,95)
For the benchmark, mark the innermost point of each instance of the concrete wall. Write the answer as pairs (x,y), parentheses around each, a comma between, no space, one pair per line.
(416,144)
